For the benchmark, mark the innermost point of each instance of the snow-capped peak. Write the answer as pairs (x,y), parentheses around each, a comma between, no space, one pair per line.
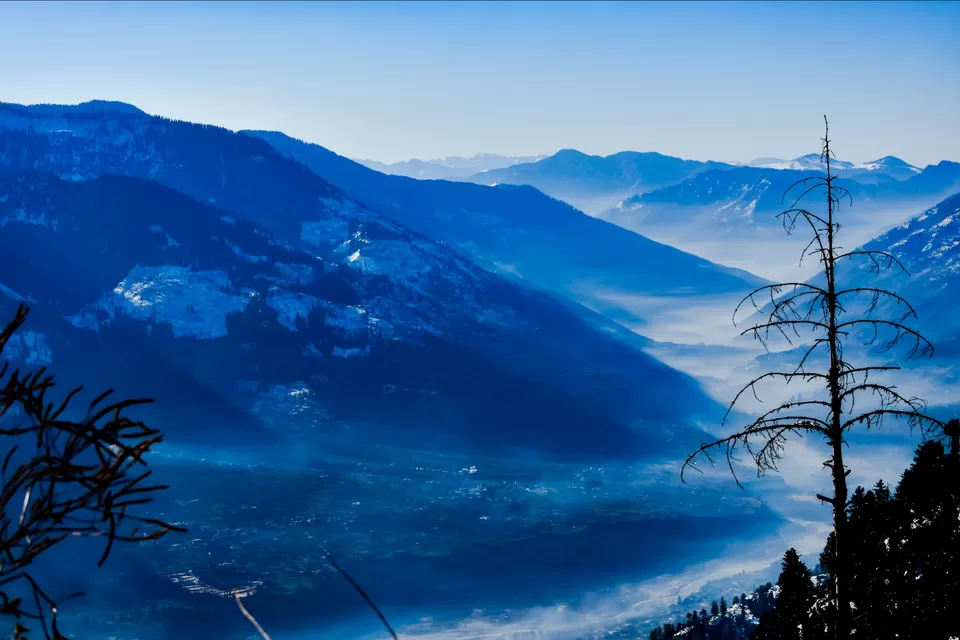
(809,162)
(888,162)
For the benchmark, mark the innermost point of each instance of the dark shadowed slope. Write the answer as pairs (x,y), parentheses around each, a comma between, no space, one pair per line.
(519,230)
(427,348)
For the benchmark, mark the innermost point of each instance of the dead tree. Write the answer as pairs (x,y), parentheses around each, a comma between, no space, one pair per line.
(65,478)
(823,306)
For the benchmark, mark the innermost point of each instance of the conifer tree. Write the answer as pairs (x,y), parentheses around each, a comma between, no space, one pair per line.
(872,574)
(928,508)
(791,612)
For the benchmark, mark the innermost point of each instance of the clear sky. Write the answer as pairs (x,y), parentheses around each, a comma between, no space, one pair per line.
(391,81)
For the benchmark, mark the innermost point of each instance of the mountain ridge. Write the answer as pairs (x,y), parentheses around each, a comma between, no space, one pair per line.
(447,167)
(584,180)
(379,264)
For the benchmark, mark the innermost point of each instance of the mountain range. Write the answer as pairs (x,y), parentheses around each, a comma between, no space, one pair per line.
(519,231)
(593,183)
(274,296)
(739,196)
(194,248)
(731,216)
(447,167)
(325,370)
(884,169)
(928,248)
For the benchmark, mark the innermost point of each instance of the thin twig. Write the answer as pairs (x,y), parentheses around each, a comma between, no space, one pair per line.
(253,621)
(359,589)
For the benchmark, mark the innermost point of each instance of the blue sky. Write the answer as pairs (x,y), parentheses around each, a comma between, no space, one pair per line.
(390,81)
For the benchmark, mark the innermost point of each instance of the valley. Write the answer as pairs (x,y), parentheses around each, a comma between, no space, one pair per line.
(476,397)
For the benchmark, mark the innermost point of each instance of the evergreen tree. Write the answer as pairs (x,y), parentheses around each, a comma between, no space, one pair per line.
(765,630)
(714,609)
(928,506)
(904,572)
(872,574)
(791,613)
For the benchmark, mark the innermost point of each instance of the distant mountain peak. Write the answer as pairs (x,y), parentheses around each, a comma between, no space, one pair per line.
(807,162)
(889,162)
(571,153)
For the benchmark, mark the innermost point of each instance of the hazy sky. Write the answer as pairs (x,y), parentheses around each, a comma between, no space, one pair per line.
(391,81)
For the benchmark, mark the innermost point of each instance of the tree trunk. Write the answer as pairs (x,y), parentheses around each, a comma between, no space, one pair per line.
(840,576)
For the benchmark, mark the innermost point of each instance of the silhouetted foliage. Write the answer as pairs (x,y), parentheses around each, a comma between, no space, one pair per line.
(904,568)
(789,619)
(64,478)
(829,311)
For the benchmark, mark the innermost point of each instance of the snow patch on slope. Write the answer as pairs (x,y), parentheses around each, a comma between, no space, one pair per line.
(292,306)
(240,253)
(302,274)
(10,293)
(29,217)
(339,352)
(194,303)
(170,241)
(29,347)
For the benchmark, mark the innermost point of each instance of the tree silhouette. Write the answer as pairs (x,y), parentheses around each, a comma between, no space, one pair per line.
(789,619)
(825,309)
(927,505)
(873,561)
(63,478)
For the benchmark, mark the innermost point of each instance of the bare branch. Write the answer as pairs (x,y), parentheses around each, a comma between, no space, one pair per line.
(772,435)
(922,346)
(253,621)
(880,259)
(75,479)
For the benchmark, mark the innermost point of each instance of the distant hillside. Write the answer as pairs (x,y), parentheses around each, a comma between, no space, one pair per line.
(928,247)
(593,183)
(521,232)
(885,169)
(730,216)
(273,281)
(449,167)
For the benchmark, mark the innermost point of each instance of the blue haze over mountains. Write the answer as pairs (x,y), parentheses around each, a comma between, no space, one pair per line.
(431,377)
(449,167)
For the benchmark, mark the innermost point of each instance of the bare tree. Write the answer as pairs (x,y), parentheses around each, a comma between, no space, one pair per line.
(63,478)
(828,311)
